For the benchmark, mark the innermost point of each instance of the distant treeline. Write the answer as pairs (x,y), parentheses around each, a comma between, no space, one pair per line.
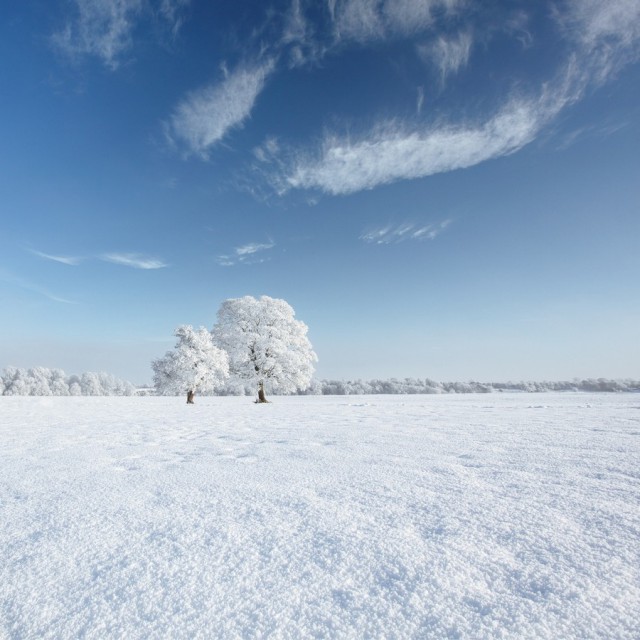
(425,385)
(40,381)
(417,385)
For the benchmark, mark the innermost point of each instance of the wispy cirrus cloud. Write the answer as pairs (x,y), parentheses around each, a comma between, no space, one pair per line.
(393,234)
(268,150)
(173,12)
(448,54)
(101,28)
(205,116)
(598,131)
(105,28)
(245,254)
(419,99)
(253,247)
(366,20)
(392,151)
(68,260)
(589,21)
(298,37)
(359,20)
(17,281)
(606,34)
(134,260)
(363,22)
(604,37)
(295,26)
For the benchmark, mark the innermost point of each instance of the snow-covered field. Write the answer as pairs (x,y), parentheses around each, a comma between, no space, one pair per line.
(479,516)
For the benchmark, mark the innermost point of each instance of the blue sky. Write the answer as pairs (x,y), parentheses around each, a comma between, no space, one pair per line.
(440,188)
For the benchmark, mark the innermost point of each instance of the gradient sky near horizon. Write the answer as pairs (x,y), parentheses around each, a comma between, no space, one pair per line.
(440,188)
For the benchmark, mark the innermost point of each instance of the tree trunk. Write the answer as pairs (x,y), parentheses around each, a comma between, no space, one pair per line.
(190,395)
(261,396)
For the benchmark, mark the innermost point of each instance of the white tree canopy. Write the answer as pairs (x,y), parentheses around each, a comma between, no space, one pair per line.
(265,343)
(195,364)
(40,381)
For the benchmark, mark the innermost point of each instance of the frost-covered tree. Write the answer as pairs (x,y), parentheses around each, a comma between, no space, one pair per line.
(112,386)
(265,343)
(90,384)
(58,383)
(195,364)
(40,381)
(75,389)
(15,382)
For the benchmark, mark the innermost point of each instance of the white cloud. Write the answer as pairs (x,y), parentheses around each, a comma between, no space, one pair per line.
(358,20)
(205,116)
(410,16)
(173,13)
(253,247)
(594,20)
(134,260)
(12,279)
(101,28)
(601,131)
(366,20)
(104,28)
(295,29)
(361,21)
(298,37)
(391,234)
(606,34)
(69,260)
(419,100)
(448,54)
(517,25)
(392,152)
(245,254)
(376,236)
(268,150)
(606,38)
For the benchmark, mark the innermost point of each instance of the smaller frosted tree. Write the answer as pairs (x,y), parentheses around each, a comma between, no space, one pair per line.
(265,343)
(195,364)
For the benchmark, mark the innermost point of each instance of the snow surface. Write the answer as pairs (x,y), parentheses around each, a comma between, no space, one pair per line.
(480,516)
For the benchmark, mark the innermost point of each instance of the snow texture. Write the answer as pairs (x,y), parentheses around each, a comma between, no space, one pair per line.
(502,516)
